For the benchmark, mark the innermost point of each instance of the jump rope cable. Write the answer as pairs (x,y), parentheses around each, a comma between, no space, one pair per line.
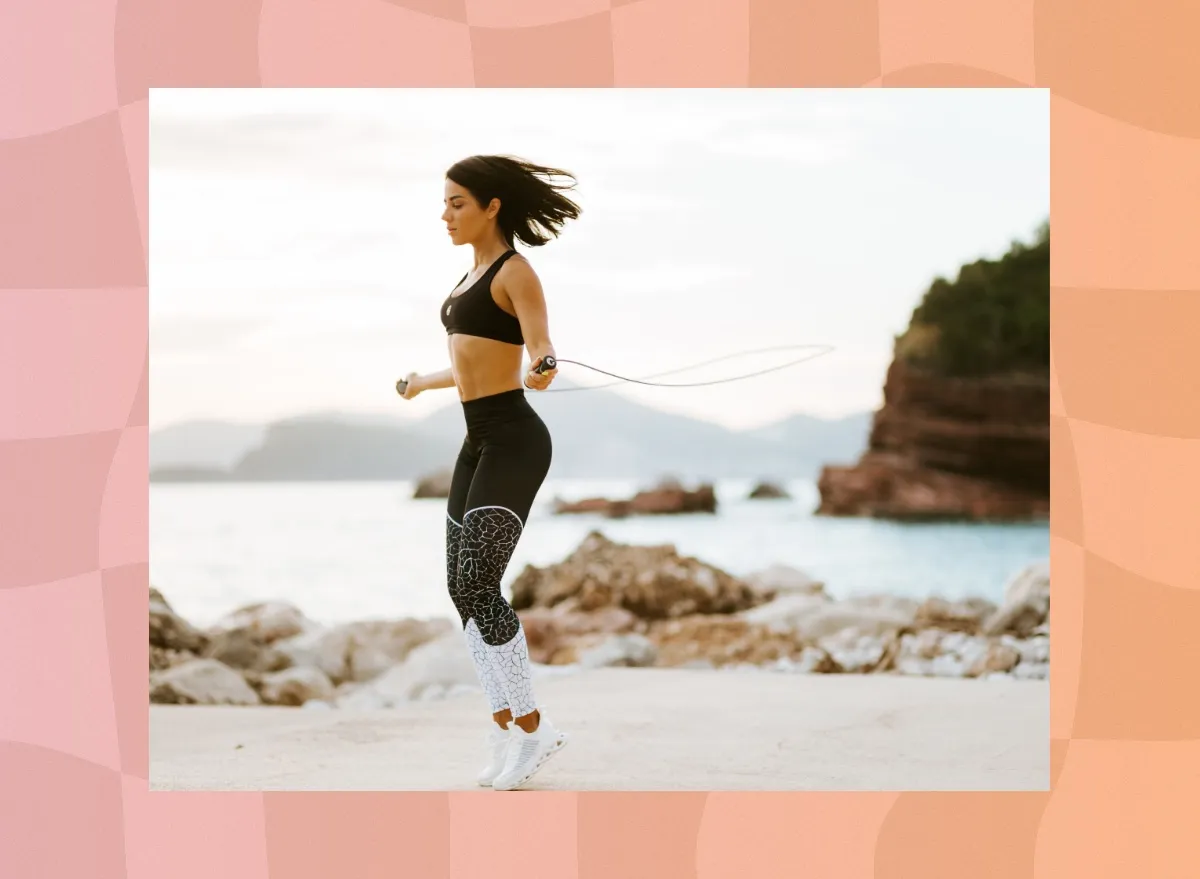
(820,351)
(552,363)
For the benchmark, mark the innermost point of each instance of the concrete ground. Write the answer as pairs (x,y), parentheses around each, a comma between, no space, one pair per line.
(639,729)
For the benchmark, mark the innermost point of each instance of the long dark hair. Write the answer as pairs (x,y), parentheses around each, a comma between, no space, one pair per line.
(532,205)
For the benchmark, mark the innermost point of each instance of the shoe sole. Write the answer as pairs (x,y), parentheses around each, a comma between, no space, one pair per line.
(559,744)
(488,783)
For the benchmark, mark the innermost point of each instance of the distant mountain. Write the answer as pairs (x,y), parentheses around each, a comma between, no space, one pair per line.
(596,434)
(204,444)
(833,441)
(307,449)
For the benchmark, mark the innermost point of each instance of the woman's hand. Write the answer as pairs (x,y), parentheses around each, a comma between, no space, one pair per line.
(414,386)
(539,381)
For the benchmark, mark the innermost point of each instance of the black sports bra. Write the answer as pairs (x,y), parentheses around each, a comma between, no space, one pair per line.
(475,313)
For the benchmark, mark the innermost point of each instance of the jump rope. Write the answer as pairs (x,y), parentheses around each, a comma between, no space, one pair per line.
(548,363)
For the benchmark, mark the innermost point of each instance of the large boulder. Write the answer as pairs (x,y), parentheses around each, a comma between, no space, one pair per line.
(768,491)
(295,686)
(667,497)
(651,582)
(441,665)
(778,579)
(170,631)
(361,651)
(954,616)
(721,640)
(434,485)
(267,621)
(788,612)
(809,618)
(244,649)
(201,682)
(620,650)
(553,633)
(1026,603)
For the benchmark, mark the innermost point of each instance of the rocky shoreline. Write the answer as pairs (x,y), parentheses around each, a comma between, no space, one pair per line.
(606,604)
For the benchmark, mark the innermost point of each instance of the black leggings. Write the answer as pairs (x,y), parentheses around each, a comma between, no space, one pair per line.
(501,465)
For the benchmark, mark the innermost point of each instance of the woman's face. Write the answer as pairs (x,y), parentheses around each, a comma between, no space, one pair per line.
(465,220)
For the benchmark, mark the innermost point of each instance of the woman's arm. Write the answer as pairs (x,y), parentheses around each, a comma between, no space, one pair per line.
(525,290)
(416,383)
(435,380)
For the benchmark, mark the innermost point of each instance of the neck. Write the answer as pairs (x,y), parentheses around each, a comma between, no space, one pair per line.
(489,250)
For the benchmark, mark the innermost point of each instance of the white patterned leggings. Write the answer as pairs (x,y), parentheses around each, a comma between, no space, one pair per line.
(501,465)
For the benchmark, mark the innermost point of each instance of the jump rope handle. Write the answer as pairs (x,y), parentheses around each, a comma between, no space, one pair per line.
(548,363)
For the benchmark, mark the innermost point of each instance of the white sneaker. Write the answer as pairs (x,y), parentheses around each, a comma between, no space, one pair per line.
(528,752)
(497,742)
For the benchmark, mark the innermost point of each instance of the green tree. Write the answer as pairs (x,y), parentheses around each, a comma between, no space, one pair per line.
(993,318)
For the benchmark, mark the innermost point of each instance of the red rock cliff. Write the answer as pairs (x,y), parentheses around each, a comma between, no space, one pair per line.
(957,448)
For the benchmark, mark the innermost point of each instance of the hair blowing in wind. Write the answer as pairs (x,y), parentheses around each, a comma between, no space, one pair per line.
(533,208)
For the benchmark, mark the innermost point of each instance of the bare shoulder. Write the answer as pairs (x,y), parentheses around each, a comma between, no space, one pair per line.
(516,269)
(517,278)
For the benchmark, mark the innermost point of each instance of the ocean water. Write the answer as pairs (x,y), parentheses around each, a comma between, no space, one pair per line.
(356,550)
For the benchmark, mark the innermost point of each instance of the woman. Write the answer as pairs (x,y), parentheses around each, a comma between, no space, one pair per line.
(498,307)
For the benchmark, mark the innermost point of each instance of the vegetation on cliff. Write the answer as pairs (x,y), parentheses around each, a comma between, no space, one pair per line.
(993,319)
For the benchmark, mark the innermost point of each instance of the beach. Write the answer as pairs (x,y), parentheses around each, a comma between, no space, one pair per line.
(638,729)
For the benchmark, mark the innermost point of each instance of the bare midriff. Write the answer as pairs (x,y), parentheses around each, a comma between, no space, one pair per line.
(483,367)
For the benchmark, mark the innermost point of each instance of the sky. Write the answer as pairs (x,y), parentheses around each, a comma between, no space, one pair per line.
(298,258)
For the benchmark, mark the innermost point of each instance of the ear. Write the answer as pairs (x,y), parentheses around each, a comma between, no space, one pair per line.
(493,208)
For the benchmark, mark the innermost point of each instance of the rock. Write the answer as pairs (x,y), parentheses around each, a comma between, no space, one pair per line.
(295,686)
(780,579)
(243,649)
(171,631)
(667,497)
(620,650)
(325,649)
(434,485)
(1033,651)
(874,616)
(722,640)
(551,633)
(767,490)
(957,616)
(934,652)
(269,621)
(673,499)
(898,604)
(950,448)
(948,665)
(1026,603)
(788,612)
(442,662)
(201,682)
(853,651)
(164,657)
(815,660)
(652,582)
(377,645)
(363,650)
(1031,671)
(998,658)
